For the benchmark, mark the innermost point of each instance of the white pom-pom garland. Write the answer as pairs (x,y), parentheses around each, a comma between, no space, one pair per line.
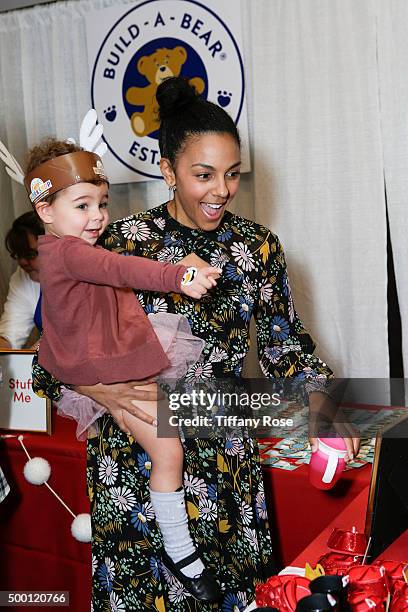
(37,471)
(81,528)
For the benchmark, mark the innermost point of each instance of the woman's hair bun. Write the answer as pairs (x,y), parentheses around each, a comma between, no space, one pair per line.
(173,94)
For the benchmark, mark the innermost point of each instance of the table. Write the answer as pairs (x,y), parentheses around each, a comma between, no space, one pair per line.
(353,514)
(35,537)
(41,553)
(299,512)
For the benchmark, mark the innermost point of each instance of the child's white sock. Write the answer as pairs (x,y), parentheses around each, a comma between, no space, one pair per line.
(171,516)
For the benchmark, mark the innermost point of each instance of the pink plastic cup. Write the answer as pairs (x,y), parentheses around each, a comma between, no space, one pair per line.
(327,463)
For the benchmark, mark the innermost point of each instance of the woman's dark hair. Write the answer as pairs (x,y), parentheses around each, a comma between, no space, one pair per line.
(17,236)
(182,114)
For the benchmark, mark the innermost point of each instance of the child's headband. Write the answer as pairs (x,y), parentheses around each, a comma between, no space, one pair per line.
(65,170)
(61,172)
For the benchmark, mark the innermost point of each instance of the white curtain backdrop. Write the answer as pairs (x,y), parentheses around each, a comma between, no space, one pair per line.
(45,90)
(316,145)
(393,71)
(318,169)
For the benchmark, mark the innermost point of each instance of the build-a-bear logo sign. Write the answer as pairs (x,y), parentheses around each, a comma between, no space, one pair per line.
(152,41)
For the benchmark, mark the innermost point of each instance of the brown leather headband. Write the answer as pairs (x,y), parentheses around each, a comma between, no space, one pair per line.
(61,172)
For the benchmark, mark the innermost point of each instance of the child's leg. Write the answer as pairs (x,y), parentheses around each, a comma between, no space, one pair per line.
(166,454)
(166,490)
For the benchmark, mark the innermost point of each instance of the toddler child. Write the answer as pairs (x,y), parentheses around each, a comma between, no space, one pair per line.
(95,330)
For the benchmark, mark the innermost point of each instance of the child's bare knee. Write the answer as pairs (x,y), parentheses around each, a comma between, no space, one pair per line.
(170,456)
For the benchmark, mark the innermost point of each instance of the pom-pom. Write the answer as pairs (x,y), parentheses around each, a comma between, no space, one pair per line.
(81,528)
(37,471)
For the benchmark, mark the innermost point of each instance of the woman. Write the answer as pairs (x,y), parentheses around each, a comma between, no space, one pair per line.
(22,309)
(200,163)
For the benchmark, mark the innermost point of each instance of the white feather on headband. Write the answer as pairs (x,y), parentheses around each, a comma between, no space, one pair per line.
(13,168)
(90,134)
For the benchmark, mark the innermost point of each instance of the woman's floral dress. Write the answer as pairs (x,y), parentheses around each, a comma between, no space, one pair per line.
(223,480)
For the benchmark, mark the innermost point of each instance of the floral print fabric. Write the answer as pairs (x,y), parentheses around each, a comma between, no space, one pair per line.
(223,480)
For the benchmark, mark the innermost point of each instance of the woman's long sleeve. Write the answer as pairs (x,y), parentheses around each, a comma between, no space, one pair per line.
(285,349)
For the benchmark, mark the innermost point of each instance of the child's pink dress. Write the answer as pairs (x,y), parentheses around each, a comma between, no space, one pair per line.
(181,347)
(98,332)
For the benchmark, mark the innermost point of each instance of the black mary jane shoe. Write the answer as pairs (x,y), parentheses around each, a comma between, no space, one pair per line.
(203,587)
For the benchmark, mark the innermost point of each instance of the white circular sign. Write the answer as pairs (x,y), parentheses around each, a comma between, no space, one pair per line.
(155,40)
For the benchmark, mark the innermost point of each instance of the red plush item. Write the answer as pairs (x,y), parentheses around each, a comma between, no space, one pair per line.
(282,592)
(338,564)
(269,593)
(360,603)
(399,602)
(349,542)
(369,581)
(394,571)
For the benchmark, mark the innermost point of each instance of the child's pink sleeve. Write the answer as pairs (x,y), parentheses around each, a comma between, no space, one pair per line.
(90,264)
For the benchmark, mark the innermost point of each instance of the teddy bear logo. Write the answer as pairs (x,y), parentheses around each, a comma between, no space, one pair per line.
(160,65)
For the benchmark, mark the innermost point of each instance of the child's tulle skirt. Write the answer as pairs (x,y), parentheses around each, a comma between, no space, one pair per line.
(182,350)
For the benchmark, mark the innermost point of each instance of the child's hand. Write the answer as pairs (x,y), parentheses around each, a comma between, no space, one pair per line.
(196,282)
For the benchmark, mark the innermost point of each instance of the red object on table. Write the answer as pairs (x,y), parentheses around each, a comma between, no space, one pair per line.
(360,603)
(37,549)
(351,541)
(368,581)
(399,602)
(282,592)
(338,564)
(394,571)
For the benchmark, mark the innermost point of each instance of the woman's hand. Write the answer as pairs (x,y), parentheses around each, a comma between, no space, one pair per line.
(350,437)
(121,397)
(323,409)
